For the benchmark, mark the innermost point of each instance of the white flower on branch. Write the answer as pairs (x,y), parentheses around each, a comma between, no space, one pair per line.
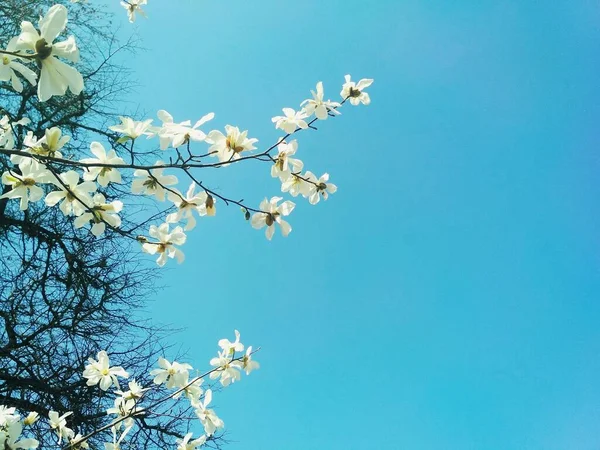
(7,136)
(76,442)
(71,196)
(24,184)
(186,444)
(7,415)
(208,417)
(131,129)
(319,187)
(291,120)
(173,374)
(100,372)
(135,391)
(272,214)
(228,147)
(319,107)
(56,76)
(294,184)
(283,163)
(178,134)
(124,408)
(202,202)
(355,91)
(10,66)
(104,175)
(48,145)
(133,7)
(9,437)
(31,418)
(167,241)
(59,425)
(227,371)
(153,182)
(247,363)
(229,348)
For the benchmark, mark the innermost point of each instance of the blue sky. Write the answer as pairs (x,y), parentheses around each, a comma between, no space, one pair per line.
(447,296)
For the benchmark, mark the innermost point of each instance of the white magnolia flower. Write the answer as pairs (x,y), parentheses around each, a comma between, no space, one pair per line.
(178,134)
(273,214)
(10,437)
(174,374)
(7,415)
(291,120)
(104,175)
(100,372)
(229,347)
(167,241)
(134,6)
(24,184)
(192,390)
(318,106)
(75,442)
(124,408)
(202,202)
(284,165)
(247,363)
(135,391)
(31,418)
(7,136)
(319,187)
(355,91)
(228,147)
(59,425)
(48,145)
(186,444)
(10,66)
(151,183)
(227,371)
(71,199)
(131,129)
(295,184)
(209,419)
(56,76)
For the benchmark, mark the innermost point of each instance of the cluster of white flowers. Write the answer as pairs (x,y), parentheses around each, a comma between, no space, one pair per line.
(128,404)
(84,194)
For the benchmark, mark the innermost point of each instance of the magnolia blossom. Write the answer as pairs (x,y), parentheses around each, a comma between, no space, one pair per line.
(228,147)
(174,374)
(178,134)
(134,6)
(354,91)
(31,418)
(135,391)
(295,184)
(48,145)
(56,76)
(11,434)
(100,372)
(284,165)
(319,107)
(132,129)
(71,196)
(186,444)
(59,425)
(24,185)
(75,442)
(10,66)
(227,371)
(291,120)
(208,417)
(7,137)
(247,363)
(229,347)
(104,175)
(319,187)
(124,408)
(153,182)
(272,214)
(192,390)
(7,415)
(202,202)
(167,241)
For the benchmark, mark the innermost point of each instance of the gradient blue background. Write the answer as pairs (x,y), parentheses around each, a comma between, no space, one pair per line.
(447,296)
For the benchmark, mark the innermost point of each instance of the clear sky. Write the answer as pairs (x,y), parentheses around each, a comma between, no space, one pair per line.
(447,297)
